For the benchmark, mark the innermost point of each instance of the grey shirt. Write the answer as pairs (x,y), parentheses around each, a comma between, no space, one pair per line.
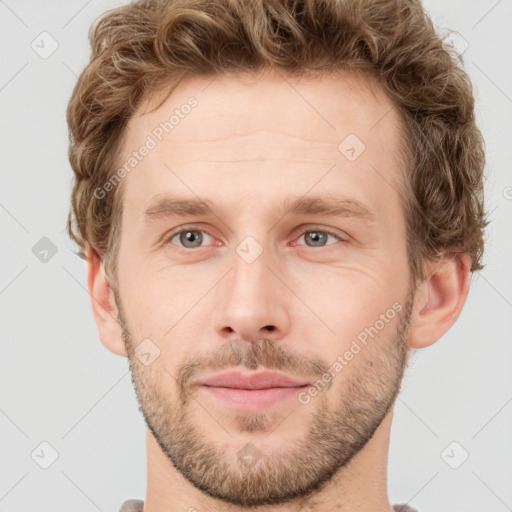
(138,505)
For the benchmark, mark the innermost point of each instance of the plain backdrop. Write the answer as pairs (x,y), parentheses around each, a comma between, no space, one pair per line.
(451,443)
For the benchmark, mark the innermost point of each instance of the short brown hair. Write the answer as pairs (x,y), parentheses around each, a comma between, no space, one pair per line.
(150,45)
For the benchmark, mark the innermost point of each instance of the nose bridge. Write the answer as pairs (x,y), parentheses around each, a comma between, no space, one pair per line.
(252,305)
(250,280)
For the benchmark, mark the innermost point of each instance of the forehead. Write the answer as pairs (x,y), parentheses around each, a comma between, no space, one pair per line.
(268,126)
(317,107)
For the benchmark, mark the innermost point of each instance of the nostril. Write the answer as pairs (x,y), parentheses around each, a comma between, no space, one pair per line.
(269,327)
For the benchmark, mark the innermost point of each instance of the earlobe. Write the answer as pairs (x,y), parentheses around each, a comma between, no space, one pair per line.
(439,300)
(103,305)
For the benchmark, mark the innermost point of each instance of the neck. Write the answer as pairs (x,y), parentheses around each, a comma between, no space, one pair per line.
(359,486)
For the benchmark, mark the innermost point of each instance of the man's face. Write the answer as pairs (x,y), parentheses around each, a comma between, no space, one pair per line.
(255,285)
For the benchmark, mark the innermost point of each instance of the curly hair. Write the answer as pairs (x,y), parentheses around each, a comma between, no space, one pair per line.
(149,46)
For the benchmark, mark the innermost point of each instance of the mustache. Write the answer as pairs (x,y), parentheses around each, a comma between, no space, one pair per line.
(251,355)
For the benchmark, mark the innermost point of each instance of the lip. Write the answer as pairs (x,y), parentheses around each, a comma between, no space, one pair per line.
(252,392)
(261,380)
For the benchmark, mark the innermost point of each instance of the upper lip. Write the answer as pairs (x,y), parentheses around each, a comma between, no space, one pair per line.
(262,380)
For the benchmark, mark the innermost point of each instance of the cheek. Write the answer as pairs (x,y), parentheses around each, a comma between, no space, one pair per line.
(344,306)
(166,309)
(154,299)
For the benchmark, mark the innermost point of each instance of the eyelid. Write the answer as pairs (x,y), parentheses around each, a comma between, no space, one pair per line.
(314,227)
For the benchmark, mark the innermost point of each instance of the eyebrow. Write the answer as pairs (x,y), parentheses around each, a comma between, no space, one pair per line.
(169,206)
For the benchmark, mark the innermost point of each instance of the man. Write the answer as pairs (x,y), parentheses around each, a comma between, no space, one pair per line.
(278,202)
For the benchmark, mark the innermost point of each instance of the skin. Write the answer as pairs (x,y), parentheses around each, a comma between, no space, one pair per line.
(251,143)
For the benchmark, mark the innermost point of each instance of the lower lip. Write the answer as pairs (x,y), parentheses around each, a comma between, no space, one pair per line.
(252,399)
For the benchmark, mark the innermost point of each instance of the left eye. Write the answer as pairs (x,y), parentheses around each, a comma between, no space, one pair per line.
(317,237)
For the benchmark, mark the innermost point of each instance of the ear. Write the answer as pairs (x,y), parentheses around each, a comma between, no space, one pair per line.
(439,299)
(103,305)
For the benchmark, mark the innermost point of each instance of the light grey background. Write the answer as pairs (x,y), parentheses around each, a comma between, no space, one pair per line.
(60,385)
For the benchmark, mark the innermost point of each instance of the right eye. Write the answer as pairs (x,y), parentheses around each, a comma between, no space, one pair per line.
(188,238)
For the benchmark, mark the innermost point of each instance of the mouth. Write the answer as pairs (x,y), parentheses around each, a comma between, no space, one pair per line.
(249,392)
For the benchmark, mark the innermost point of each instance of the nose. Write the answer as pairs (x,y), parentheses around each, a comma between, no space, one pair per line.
(252,302)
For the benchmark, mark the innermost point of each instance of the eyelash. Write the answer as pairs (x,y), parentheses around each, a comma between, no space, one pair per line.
(309,229)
